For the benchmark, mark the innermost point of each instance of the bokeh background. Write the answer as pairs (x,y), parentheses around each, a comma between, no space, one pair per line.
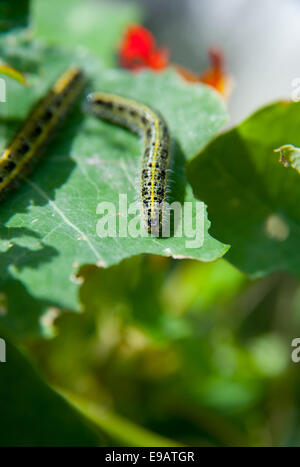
(195,353)
(260,41)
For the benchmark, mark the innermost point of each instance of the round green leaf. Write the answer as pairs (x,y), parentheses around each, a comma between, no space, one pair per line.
(253,200)
(48,225)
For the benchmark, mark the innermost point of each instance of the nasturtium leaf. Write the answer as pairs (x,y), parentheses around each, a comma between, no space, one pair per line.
(253,200)
(32,414)
(48,225)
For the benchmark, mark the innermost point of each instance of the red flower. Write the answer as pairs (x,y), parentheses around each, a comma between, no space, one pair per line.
(138,50)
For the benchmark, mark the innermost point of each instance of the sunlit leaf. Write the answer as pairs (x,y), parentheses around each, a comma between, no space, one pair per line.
(49,224)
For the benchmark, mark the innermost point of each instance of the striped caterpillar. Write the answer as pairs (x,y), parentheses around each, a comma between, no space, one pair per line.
(35,132)
(151,126)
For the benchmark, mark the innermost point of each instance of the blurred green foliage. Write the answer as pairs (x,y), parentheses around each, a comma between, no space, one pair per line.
(32,414)
(13,15)
(165,352)
(190,351)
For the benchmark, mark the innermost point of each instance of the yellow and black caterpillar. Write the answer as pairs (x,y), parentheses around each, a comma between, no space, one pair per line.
(139,118)
(151,126)
(41,122)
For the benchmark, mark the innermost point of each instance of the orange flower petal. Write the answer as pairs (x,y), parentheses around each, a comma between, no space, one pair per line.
(159,59)
(215,76)
(138,50)
(187,74)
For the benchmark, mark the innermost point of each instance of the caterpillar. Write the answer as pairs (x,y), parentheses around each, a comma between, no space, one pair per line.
(39,125)
(151,126)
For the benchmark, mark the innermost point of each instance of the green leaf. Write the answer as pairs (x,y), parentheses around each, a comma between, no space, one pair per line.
(32,414)
(118,428)
(253,201)
(49,224)
(97,26)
